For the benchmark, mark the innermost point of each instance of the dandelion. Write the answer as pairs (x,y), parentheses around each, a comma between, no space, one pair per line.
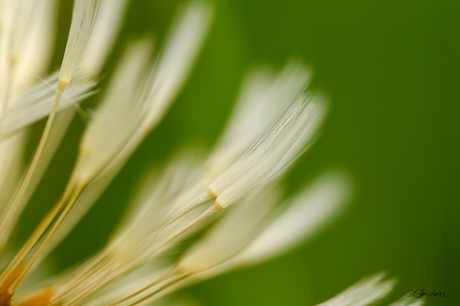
(229,202)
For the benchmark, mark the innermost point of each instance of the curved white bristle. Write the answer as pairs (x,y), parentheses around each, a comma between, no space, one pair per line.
(272,153)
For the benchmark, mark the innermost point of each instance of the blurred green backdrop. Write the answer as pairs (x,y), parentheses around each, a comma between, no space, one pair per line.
(391,70)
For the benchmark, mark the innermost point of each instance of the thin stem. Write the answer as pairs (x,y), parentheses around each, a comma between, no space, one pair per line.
(203,198)
(138,261)
(150,297)
(168,274)
(4,108)
(83,271)
(15,203)
(82,279)
(59,221)
(44,224)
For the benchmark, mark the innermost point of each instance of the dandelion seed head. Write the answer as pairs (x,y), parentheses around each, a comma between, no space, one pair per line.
(201,213)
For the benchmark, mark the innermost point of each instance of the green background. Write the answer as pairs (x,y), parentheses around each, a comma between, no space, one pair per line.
(391,70)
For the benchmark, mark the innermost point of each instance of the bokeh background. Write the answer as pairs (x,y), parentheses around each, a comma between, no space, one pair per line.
(391,70)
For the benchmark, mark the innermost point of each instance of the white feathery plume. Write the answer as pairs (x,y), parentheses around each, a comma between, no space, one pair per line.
(317,206)
(37,102)
(175,60)
(272,153)
(103,36)
(116,117)
(408,301)
(36,54)
(19,15)
(15,24)
(83,19)
(365,292)
(28,38)
(262,98)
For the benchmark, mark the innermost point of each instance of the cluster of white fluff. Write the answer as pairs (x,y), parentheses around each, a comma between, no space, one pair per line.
(228,204)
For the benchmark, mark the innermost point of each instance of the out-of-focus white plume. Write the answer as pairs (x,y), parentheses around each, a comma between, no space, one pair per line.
(365,292)
(307,213)
(117,116)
